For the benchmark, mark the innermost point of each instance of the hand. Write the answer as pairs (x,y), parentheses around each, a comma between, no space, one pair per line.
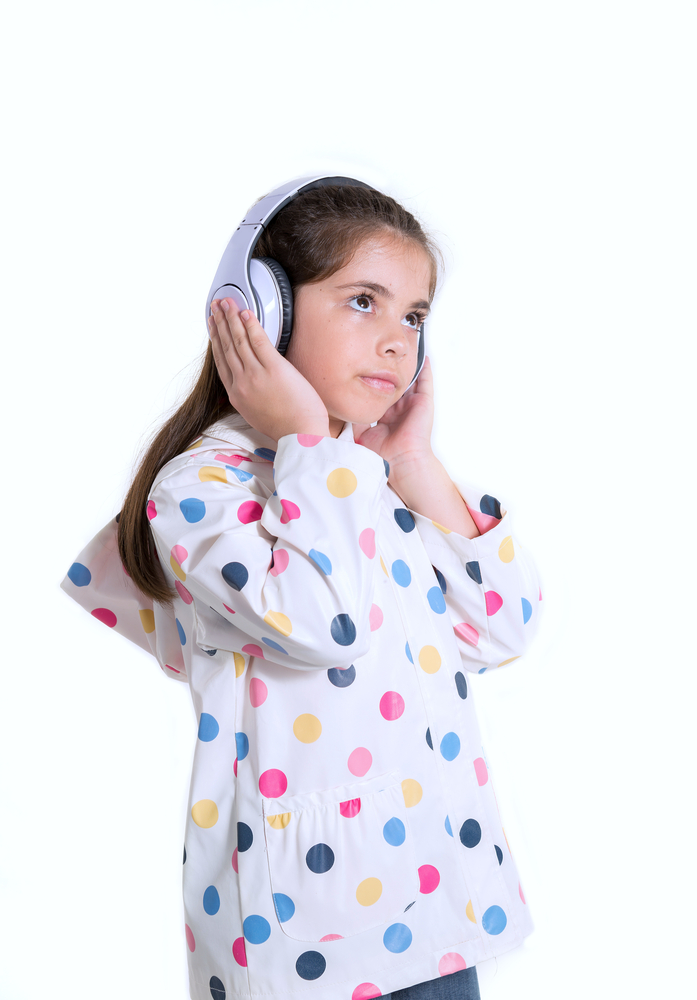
(263,387)
(403,433)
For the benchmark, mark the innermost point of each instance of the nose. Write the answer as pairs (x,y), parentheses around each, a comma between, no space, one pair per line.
(394,339)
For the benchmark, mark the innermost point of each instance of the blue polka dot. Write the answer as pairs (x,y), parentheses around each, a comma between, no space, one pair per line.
(285,907)
(491,506)
(242,741)
(436,600)
(408,652)
(494,920)
(397,938)
(441,580)
(527,610)
(428,738)
(394,832)
(217,989)
(343,630)
(208,727)
(473,571)
(499,853)
(450,746)
(79,575)
(319,858)
(193,510)
(182,633)
(404,518)
(470,833)
(274,645)
(342,678)
(211,901)
(482,670)
(387,467)
(235,575)
(461,684)
(448,827)
(240,473)
(401,573)
(322,561)
(245,837)
(267,453)
(256,929)
(310,965)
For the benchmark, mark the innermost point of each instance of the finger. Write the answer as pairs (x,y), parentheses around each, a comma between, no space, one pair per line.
(424,382)
(227,339)
(258,339)
(221,363)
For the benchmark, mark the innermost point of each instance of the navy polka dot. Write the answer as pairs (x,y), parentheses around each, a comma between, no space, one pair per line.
(193,510)
(499,853)
(322,561)
(491,506)
(387,467)
(267,453)
(211,901)
(401,573)
(210,652)
(436,600)
(242,741)
(473,571)
(285,907)
(274,644)
(235,575)
(343,630)
(184,858)
(461,684)
(310,965)
(319,858)
(182,633)
(79,575)
(470,833)
(441,580)
(217,989)
(342,678)
(208,728)
(428,738)
(404,518)
(245,837)
(408,906)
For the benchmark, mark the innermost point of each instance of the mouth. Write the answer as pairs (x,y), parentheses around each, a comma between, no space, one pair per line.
(381,384)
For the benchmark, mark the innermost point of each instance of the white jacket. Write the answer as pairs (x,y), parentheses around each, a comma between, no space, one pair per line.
(343,839)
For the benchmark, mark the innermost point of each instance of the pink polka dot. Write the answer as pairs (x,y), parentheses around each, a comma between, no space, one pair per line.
(452,962)
(105,616)
(280,561)
(332,937)
(484,522)
(152,512)
(234,860)
(466,632)
(493,602)
(273,783)
(429,878)
(481,771)
(375,617)
(249,511)
(309,440)
(234,766)
(231,459)
(391,705)
(173,669)
(257,692)
(520,892)
(253,650)
(366,991)
(366,540)
(291,511)
(350,808)
(179,554)
(239,952)
(360,761)
(540,597)
(190,939)
(228,609)
(125,570)
(183,592)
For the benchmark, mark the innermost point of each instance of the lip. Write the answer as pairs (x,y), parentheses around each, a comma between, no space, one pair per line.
(383,381)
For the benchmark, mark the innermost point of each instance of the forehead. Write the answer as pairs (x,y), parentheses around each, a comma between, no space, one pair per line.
(399,264)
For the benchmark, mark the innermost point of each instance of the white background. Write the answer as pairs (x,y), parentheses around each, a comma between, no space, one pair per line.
(551,148)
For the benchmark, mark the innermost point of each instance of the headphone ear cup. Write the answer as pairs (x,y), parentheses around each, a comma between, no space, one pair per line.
(286,296)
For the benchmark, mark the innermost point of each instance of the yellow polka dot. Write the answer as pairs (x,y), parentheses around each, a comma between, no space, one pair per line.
(205,813)
(279,821)
(176,569)
(384,568)
(147,620)
(429,659)
(504,662)
(506,550)
(369,891)
(278,621)
(196,444)
(212,474)
(446,531)
(239,664)
(341,482)
(469,910)
(412,792)
(307,728)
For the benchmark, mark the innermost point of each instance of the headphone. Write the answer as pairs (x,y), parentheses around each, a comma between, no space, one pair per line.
(259,283)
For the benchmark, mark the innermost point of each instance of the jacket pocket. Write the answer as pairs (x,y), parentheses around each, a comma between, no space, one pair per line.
(341,860)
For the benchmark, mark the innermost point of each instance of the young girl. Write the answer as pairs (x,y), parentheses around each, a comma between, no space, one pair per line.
(292,547)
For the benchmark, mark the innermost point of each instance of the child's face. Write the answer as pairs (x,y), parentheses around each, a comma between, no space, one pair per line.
(362,320)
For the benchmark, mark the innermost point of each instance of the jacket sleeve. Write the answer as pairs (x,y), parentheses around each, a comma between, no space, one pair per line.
(489,583)
(291,573)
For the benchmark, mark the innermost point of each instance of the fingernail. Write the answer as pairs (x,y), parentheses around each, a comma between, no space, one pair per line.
(225,305)
(245,314)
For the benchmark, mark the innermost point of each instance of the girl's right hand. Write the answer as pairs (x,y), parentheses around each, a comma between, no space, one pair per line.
(262,385)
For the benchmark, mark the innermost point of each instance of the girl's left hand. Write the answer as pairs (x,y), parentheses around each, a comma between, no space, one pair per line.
(402,436)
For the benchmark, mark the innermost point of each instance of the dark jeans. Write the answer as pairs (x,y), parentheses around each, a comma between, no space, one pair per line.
(462,985)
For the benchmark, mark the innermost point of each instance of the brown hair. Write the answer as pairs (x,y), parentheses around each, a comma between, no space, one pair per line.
(311,238)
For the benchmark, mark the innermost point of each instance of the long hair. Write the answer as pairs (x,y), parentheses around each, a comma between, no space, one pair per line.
(311,238)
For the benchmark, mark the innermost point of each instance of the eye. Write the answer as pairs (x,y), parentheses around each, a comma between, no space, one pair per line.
(413,320)
(363,303)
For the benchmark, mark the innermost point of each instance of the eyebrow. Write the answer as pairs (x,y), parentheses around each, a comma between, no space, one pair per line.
(385,292)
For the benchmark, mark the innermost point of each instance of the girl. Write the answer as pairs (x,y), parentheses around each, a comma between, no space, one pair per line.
(311,570)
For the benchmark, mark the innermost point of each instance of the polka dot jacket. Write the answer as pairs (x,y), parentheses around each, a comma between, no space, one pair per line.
(343,839)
